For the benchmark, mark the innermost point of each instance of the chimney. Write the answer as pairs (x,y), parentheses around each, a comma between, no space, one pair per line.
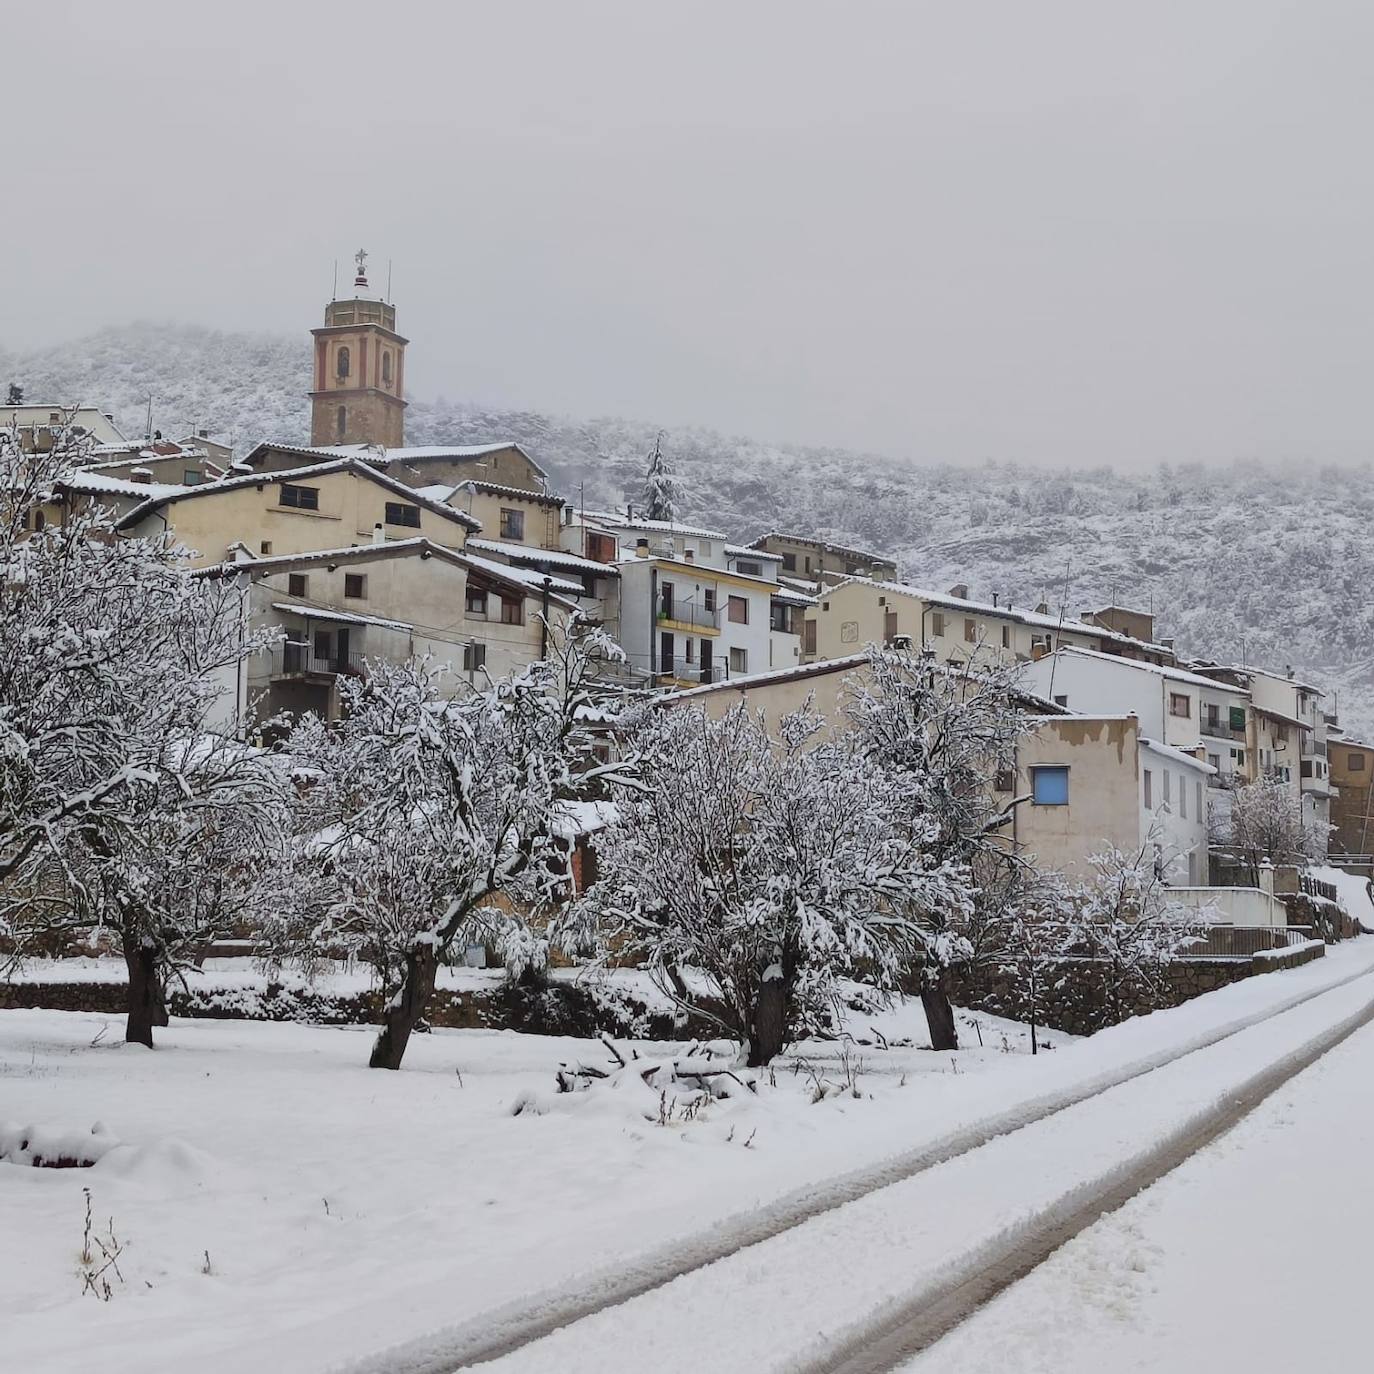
(995,595)
(959,590)
(1038,651)
(642,547)
(202,434)
(1043,608)
(689,556)
(143,476)
(379,533)
(1266,877)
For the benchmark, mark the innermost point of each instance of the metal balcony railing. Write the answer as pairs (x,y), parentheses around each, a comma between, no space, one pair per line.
(687,613)
(301,660)
(1217,727)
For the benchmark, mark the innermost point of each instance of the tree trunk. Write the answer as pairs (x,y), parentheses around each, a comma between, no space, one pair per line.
(405,1009)
(145,1005)
(769,1031)
(940,1017)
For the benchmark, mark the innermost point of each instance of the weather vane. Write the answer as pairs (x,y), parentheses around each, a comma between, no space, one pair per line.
(361,259)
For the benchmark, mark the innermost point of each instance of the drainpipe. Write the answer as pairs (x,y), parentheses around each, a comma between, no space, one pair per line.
(544,625)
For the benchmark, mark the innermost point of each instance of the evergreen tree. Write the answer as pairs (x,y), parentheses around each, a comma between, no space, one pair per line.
(15,395)
(662,492)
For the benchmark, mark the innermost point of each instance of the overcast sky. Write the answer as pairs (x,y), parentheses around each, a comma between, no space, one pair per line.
(1053,230)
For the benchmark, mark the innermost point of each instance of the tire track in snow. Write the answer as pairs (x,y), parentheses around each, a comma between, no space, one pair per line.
(888,1343)
(502,1331)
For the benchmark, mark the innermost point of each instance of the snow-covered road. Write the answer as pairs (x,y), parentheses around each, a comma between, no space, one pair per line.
(1252,1255)
(853,1288)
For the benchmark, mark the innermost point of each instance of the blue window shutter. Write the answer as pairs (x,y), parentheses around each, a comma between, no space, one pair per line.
(1050,786)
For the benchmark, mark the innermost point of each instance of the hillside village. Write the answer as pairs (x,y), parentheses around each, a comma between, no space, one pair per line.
(363,548)
(360,733)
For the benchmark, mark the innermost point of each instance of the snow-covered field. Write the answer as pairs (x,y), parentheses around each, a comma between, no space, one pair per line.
(345,1211)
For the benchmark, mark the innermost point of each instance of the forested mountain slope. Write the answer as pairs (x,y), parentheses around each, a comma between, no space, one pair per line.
(1274,564)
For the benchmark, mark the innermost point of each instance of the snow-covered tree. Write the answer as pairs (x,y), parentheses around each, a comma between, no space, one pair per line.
(113,660)
(752,874)
(14,395)
(1128,924)
(943,733)
(662,492)
(1035,931)
(1264,823)
(429,821)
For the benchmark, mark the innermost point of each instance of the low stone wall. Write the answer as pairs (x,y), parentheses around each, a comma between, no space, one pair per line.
(1077,1001)
(555,1009)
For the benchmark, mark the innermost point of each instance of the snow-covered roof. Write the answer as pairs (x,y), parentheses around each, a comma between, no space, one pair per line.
(555,558)
(792,597)
(574,818)
(532,584)
(663,527)
(343,617)
(1177,755)
(421,453)
(527,577)
(811,541)
(1283,717)
(101,483)
(1199,666)
(799,671)
(257,479)
(1004,612)
(747,551)
(1160,670)
(516,493)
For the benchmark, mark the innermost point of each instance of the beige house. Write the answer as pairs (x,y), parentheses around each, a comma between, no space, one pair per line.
(818,562)
(41,426)
(326,506)
(344,608)
(423,466)
(957,629)
(511,515)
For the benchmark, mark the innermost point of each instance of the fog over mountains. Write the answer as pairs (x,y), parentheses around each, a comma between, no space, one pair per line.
(1272,564)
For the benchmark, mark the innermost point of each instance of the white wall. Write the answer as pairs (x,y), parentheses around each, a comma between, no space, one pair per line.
(1174,798)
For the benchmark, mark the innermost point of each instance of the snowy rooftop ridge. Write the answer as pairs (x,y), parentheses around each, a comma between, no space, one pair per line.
(1160,670)
(416,453)
(559,558)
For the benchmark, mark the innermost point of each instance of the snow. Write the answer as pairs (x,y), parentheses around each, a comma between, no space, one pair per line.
(1250,1256)
(347,1211)
(342,617)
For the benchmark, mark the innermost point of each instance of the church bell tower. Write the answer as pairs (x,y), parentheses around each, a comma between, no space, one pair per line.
(358,396)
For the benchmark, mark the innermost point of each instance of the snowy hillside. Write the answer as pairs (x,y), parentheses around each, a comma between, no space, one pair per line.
(1234,559)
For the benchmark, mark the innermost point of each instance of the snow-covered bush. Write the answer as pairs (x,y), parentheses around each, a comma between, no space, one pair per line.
(752,874)
(1264,824)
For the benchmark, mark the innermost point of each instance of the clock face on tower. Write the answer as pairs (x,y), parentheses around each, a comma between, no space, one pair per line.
(358,396)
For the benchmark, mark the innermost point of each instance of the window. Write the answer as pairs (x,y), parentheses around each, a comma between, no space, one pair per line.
(355,586)
(808,562)
(1006,636)
(1168,777)
(297,584)
(474,657)
(1355,763)
(687,650)
(512,610)
(512,524)
(477,600)
(1005,780)
(1237,717)
(1280,734)
(1050,786)
(191,477)
(1183,798)
(399,513)
(970,631)
(323,644)
(40,521)
(1180,704)
(265,547)
(709,598)
(739,661)
(737,608)
(937,625)
(1215,761)
(1149,790)
(704,547)
(343,363)
(1305,769)
(1197,797)
(749,569)
(789,562)
(299,498)
(341,422)
(1239,756)
(386,368)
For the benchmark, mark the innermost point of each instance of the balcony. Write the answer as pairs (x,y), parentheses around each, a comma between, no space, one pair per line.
(688,616)
(293,660)
(1215,727)
(683,674)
